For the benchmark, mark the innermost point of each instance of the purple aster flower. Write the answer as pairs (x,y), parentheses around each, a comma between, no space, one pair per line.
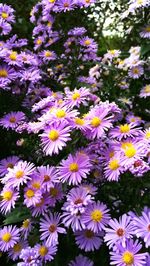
(96,216)
(74,169)
(19,175)
(48,175)
(100,121)
(73,220)
(77,200)
(136,72)
(56,194)
(124,131)
(142,227)
(7,13)
(113,169)
(55,137)
(46,253)
(31,196)
(77,31)
(31,74)
(139,167)
(50,227)
(26,228)
(131,118)
(76,97)
(9,236)
(145,92)
(30,257)
(47,55)
(15,252)
(5,27)
(88,240)
(81,261)
(88,43)
(145,33)
(6,163)
(64,5)
(119,231)
(42,206)
(9,197)
(128,255)
(12,120)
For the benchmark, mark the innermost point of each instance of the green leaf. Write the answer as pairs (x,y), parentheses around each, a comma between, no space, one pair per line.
(17,215)
(145,49)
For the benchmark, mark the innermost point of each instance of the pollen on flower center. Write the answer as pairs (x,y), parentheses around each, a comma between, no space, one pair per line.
(10,165)
(53,191)
(128,258)
(126,145)
(52,228)
(36,185)
(13,56)
(120,232)
(87,42)
(6,237)
(3,73)
(136,71)
(30,193)
(60,113)
(17,247)
(4,15)
(114,164)
(43,251)
(12,119)
(76,96)
(96,121)
(79,121)
(147,89)
(147,29)
(39,42)
(52,1)
(7,195)
(130,152)
(48,54)
(66,4)
(124,128)
(96,215)
(19,174)
(26,223)
(47,178)
(73,167)
(89,234)
(53,135)
(78,201)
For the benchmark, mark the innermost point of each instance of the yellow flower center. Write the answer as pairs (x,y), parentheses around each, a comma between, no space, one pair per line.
(147,29)
(136,71)
(26,223)
(3,73)
(87,42)
(53,135)
(17,247)
(30,193)
(147,89)
(39,42)
(7,195)
(128,258)
(96,121)
(49,24)
(52,1)
(96,215)
(53,192)
(79,121)
(43,251)
(13,56)
(139,2)
(114,164)
(147,136)
(19,174)
(126,145)
(124,128)
(48,54)
(60,113)
(4,15)
(111,154)
(36,185)
(130,152)
(76,96)
(73,167)
(6,237)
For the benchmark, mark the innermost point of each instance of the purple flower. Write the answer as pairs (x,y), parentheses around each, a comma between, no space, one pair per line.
(77,31)
(30,257)
(124,131)
(15,252)
(145,33)
(64,5)
(32,196)
(96,216)
(113,169)
(76,97)
(136,71)
(5,27)
(50,227)
(26,228)
(9,197)
(9,236)
(9,162)
(46,253)
(74,169)
(142,227)
(145,92)
(7,13)
(55,137)
(119,231)
(128,255)
(88,240)
(81,261)
(48,175)
(12,120)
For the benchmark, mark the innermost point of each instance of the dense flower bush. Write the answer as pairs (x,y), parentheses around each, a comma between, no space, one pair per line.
(75,141)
